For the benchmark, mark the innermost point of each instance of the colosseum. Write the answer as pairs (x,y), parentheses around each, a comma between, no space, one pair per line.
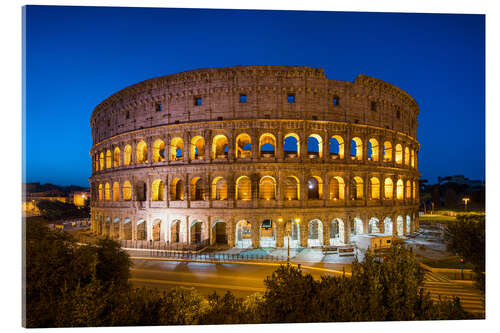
(254,156)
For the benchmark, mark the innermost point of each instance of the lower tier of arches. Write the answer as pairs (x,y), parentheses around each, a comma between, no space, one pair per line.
(252,230)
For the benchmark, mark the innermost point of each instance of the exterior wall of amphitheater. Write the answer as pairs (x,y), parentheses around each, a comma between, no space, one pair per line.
(222,152)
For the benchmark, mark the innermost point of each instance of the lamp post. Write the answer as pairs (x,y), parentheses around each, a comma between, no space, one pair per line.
(466,200)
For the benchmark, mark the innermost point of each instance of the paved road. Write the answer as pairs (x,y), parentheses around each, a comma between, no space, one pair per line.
(241,280)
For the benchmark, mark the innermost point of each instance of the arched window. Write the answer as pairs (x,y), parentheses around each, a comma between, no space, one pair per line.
(374,188)
(414,190)
(116,191)
(219,189)
(291,145)
(388,188)
(159,151)
(315,188)
(407,156)
(157,189)
(357,188)
(219,147)
(107,194)
(197,189)
(408,189)
(292,188)
(267,188)
(127,155)
(337,147)
(127,191)
(243,146)
(176,149)
(412,158)
(116,157)
(373,150)
(356,149)
(197,148)
(108,159)
(399,189)
(101,161)
(387,151)
(100,192)
(176,190)
(337,188)
(267,145)
(142,152)
(399,154)
(243,188)
(315,146)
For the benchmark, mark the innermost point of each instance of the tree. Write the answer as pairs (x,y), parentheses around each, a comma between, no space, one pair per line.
(450,198)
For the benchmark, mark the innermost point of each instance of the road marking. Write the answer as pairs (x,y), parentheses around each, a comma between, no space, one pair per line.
(197,284)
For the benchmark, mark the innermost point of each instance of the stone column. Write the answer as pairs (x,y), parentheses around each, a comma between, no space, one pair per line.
(280,147)
(279,234)
(255,233)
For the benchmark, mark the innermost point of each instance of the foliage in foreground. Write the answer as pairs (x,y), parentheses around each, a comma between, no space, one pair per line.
(69,285)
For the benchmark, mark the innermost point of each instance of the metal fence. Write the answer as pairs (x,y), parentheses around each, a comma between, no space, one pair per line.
(164,246)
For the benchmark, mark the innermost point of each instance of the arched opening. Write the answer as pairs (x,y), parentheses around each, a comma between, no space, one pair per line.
(107,194)
(387,226)
(412,158)
(267,188)
(408,224)
(127,155)
(156,230)
(358,226)
(219,147)
(336,232)
(315,146)
(176,190)
(292,229)
(116,191)
(219,232)
(315,188)
(357,188)
(388,188)
(175,231)
(387,151)
(373,226)
(142,230)
(219,189)
(100,192)
(315,234)
(127,190)
(407,156)
(400,225)
(101,161)
(127,229)
(176,149)
(373,150)
(142,152)
(96,159)
(115,229)
(159,151)
(197,148)
(107,227)
(337,147)
(140,191)
(108,159)
(197,190)
(374,188)
(157,188)
(399,189)
(267,234)
(195,232)
(116,157)
(292,188)
(243,146)
(408,190)
(243,234)
(243,188)
(291,145)
(267,145)
(399,154)
(356,149)
(414,190)
(336,188)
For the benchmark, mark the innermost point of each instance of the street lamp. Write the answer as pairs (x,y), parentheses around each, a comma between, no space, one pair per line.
(466,200)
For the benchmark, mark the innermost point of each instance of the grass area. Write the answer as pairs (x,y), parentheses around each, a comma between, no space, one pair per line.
(449,262)
(436,218)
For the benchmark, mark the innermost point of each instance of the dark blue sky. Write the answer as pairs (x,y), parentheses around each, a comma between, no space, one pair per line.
(78,56)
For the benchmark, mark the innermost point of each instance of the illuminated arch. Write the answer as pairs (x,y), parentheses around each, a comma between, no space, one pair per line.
(292,188)
(408,224)
(116,157)
(387,226)
(291,144)
(315,145)
(399,154)
(101,161)
(267,145)
(357,226)
(159,151)
(116,191)
(176,190)
(357,149)
(388,188)
(387,151)
(96,160)
(337,146)
(197,148)
(156,230)
(219,188)
(337,232)
(315,233)
(175,231)
(267,188)
(357,188)
(108,159)
(141,229)
(219,147)
(407,156)
(243,147)
(157,189)
(243,234)
(414,190)
(176,149)
(315,188)
(107,194)
(412,158)
(336,188)
(197,190)
(400,225)
(127,191)
(142,152)
(127,155)
(373,150)
(195,232)
(374,188)
(373,226)
(399,189)
(243,188)
(408,189)
(100,192)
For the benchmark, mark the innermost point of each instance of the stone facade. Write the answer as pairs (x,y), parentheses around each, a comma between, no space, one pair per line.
(240,155)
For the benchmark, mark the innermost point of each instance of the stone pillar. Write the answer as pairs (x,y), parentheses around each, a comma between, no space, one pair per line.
(231,146)
(187,145)
(304,233)
(187,192)
(280,147)
(255,233)
(279,234)
(326,151)
(347,230)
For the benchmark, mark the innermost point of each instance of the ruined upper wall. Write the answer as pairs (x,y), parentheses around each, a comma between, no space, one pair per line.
(172,99)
